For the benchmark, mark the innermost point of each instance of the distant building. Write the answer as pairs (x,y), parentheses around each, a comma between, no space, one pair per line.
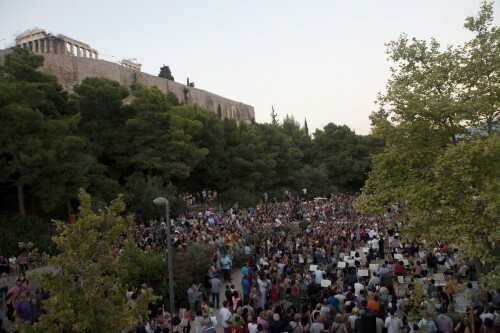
(72,61)
(37,40)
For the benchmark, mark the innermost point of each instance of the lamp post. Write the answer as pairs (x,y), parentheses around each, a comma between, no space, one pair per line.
(160,201)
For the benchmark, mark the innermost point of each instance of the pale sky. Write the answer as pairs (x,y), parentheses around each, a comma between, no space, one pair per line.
(322,60)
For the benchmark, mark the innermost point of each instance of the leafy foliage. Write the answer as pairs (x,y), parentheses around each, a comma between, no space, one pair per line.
(439,119)
(89,295)
(244,198)
(190,266)
(25,229)
(108,142)
(38,144)
(166,73)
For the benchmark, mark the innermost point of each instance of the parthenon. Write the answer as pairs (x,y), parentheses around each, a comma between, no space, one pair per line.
(37,40)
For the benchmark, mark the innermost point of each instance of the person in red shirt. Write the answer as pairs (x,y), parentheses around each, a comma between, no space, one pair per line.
(400,269)
(235,326)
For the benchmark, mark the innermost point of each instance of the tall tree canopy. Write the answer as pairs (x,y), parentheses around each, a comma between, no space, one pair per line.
(108,142)
(439,117)
(39,145)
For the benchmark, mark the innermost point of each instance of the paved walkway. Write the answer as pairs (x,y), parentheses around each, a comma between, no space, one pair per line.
(11,280)
(236,276)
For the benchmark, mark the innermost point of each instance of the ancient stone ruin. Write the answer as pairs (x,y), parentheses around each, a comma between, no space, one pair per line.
(37,40)
(72,61)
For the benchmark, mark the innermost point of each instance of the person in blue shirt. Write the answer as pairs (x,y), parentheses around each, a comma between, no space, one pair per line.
(334,301)
(244,270)
(245,287)
(225,263)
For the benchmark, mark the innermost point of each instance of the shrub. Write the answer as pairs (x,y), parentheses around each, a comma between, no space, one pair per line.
(244,198)
(239,258)
(178,207)
(30,229)
(190,266)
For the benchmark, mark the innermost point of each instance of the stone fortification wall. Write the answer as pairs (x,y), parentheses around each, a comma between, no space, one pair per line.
(71,70)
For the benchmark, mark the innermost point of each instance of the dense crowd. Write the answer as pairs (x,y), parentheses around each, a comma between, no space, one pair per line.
(313,266)
(340,271)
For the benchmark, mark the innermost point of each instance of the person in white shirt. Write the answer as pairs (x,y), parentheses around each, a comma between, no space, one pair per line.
(374,281)
(374,244)
(358,286)
(351,262)
(263,285)
(352,318)
(318,275)
(392,323)
(225,315)
(252,324)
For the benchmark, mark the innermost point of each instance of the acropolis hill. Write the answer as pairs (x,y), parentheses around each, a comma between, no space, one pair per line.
(72,61)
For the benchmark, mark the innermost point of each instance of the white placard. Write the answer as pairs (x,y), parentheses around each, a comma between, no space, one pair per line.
(438,277)
(312,268)
(346,258)
(362,272)
(353,253)
(366,250)
(374,267)
(398,256)
(326,283)
(406,262)
(401,279)
(341,264)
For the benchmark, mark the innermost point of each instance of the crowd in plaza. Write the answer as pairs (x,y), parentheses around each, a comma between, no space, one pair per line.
(341,271)
(311,266)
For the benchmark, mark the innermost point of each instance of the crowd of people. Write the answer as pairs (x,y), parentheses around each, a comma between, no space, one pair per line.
(310,266)
(340,271)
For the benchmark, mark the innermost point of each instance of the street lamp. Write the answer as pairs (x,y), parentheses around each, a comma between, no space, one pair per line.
(160,201)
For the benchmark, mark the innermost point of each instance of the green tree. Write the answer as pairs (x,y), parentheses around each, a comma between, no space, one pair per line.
(274,117)
(299,136)
(166,73)
(39,144)
(89,295)
(172,99)
(185,93)
(344,154)
(161,136)
(211,171)
(314,179)
(103,118)
(283,149)
(441,158)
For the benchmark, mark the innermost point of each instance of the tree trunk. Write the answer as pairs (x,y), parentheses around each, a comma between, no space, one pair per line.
(69,207)
(481,270)
(20,199)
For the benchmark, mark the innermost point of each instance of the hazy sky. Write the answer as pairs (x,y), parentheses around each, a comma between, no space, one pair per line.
(320,60)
